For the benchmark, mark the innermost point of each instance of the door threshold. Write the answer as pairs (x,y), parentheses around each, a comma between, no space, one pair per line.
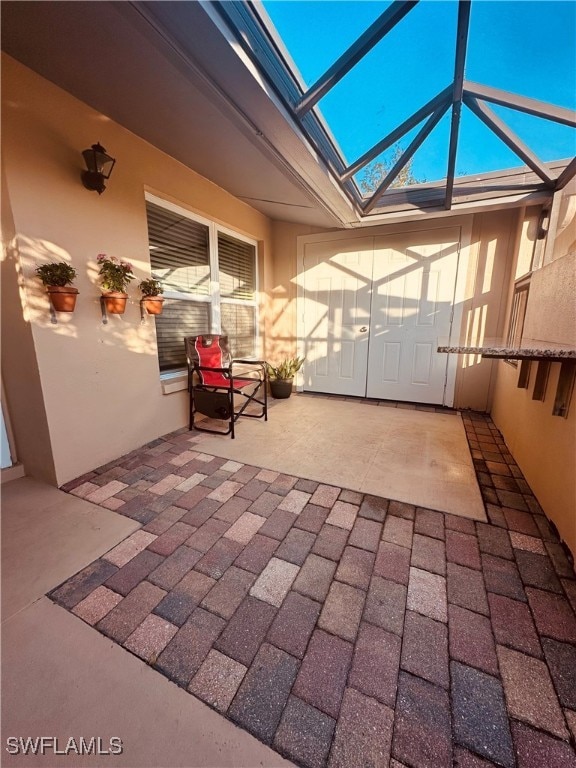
(402,404)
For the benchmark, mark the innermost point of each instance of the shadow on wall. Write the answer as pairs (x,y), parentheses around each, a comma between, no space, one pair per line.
(125,330)
(483,304)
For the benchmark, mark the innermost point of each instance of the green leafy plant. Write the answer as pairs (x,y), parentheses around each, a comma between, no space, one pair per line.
(58,274)
(115,275)
(286,369)
(151,287)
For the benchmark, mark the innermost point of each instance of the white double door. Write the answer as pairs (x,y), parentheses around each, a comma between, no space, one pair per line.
(374,309)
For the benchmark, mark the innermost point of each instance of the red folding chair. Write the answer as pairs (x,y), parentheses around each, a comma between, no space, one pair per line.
(213,385)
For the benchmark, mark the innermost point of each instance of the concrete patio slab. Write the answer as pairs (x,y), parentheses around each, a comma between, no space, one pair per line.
(47,535)
(417,457)
(63,679)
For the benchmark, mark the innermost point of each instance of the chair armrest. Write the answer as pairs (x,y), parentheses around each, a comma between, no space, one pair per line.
(214,370)
(259,364)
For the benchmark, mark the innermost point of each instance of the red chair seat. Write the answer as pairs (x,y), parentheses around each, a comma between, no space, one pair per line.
(212,385)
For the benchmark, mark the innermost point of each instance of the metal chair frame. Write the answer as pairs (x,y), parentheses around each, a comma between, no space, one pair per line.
(217,400)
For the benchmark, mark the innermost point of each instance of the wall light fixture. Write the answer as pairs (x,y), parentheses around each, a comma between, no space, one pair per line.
(99,166)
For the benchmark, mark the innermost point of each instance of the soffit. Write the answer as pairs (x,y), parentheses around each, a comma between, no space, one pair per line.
(168,74)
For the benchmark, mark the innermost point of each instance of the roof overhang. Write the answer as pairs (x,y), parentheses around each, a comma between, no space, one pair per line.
(210,84)
(171,75)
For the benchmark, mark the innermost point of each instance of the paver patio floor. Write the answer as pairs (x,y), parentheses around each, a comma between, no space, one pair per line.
(340,628)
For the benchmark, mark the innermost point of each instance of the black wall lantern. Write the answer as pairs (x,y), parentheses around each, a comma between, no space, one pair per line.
(99,166)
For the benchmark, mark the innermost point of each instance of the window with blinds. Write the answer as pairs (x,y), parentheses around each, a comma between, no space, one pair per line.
(179,251)
(236,268)
(181,257)
(239,324)
(178,319)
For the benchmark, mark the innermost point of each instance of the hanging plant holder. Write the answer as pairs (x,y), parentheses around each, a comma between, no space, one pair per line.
(62,298)
(58,277)
(153,305)
(114,302)
(152,302)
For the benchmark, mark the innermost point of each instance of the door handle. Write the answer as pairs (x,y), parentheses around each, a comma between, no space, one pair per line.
(363,329)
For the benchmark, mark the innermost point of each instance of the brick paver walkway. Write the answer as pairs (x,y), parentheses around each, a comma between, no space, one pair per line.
(341,629)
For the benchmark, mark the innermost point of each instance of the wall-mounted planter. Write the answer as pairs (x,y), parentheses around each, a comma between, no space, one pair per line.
(153,305)
(62,298)
(114,302)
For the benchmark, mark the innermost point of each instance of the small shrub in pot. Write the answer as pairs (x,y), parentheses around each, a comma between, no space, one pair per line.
(58,278)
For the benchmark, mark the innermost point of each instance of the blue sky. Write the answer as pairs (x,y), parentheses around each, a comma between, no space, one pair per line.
(524,47)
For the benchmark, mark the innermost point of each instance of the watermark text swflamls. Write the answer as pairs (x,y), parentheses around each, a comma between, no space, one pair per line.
(44,745)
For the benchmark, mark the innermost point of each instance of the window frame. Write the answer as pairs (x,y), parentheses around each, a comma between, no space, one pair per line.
(214,298)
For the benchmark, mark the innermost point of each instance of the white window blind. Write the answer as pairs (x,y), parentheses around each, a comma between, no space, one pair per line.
(239,324)
(236,268)
(178,319)
(179,251)
(186,255)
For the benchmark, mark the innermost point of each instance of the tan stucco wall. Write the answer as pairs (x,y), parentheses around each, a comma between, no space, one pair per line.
(543,445)
(283,295)
(97,387)
(491,252)
(551,310)
(23,403)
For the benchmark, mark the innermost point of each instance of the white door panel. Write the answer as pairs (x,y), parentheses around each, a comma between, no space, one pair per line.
(413,295)
(337,293)
(374,308)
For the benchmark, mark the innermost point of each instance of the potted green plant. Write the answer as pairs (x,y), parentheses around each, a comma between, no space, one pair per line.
(58,277)
(152,300)
(115,277)
(281,377)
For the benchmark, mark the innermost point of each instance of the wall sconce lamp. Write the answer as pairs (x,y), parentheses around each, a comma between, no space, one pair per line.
(99,166)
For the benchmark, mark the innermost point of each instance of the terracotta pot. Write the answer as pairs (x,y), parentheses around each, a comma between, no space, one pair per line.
(115,302)
(281,388)
(63,297)
(153,304)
